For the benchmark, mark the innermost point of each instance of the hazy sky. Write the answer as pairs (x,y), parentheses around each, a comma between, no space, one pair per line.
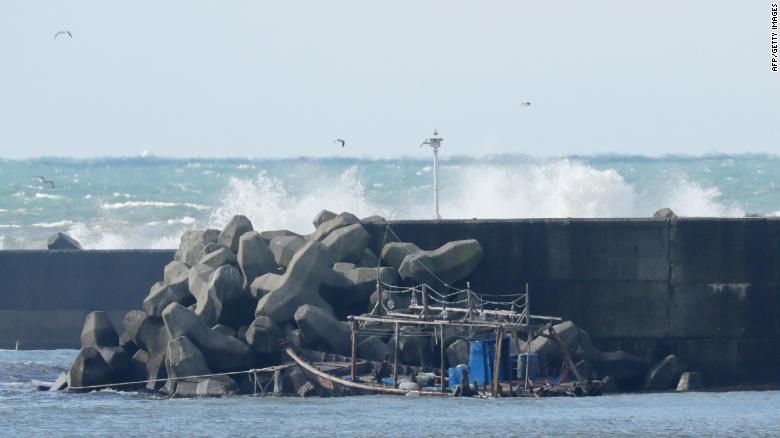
(271,79)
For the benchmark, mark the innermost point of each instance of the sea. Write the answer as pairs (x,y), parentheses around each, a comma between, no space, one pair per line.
(25,411)
(148,202)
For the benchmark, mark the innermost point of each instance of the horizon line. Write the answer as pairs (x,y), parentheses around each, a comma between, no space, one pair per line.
(142,157)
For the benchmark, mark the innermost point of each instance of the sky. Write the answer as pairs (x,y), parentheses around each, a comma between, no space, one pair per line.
(275,79)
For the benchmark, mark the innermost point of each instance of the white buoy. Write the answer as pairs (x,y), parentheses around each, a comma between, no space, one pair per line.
(435,143)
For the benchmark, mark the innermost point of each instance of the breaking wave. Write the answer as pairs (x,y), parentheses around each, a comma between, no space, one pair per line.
(687,198)
(273,203)
(287,194)
(160,204)
(562,188)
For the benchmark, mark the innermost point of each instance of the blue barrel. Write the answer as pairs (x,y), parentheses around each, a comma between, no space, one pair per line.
(454,375)
(533,367)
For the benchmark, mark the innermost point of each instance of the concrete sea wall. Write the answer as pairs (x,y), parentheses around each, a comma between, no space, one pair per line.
(45,295)
(707,290)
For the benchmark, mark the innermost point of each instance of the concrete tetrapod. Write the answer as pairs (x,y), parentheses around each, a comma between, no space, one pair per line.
(284,248)
(352,293)
(235,228)
(319,326)
(175,271)
(254,257)
(413,349)
(261,335)
(62,241)
(457,353)
(394,253)
(237,304)
(269,235)
(347,243)
(374,348)
(221,256)
(88,369)
(207,304)
(451,262)
(119,362)
(183,359)
(161,294)
(98,331)
(223,353)
(322,216)
(193,244)
(327,227)
(664,375)
(299,285)
(150,335)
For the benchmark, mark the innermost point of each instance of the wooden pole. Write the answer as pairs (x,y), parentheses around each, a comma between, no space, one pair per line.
(441,356)
(395,357)
(497,363)
(567,357)
(425,300)
(354,350)
(528,338)
(278,382)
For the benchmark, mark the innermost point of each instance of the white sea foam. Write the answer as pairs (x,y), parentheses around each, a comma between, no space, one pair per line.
(59,224)
(562,188)
(10,226)
(688,198)
(270,203)
(557,188)
(48,196)
(101,237)
(159,204)
(186,220)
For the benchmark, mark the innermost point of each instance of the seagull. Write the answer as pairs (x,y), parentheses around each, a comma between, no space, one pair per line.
(46,181)
(338,140)
(63,32)
(525,103)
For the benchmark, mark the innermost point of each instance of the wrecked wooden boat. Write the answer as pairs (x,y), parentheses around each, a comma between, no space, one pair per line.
(490,325)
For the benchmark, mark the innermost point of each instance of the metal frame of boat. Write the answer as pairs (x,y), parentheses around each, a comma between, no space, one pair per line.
(461,309)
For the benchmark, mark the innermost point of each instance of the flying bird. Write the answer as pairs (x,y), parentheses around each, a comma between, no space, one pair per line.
(338,140)
(45,181)
(63,32)
(525,103)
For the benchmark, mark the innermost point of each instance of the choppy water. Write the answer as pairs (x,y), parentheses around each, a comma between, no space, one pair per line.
(27,412)
(148,202)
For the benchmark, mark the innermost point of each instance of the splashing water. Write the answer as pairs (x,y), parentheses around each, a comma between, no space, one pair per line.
(149,202)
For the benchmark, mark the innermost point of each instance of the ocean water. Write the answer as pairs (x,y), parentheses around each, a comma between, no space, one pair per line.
(147,202)
(27,412)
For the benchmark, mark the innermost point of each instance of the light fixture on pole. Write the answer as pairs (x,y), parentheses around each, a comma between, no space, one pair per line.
(435,143)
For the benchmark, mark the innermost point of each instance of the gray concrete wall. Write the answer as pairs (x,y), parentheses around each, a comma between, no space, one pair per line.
(705,289)
(45,295)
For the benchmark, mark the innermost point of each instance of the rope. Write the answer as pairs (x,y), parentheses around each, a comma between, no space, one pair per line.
(200,376)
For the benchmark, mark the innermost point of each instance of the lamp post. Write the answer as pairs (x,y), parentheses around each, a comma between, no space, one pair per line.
(435,143)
